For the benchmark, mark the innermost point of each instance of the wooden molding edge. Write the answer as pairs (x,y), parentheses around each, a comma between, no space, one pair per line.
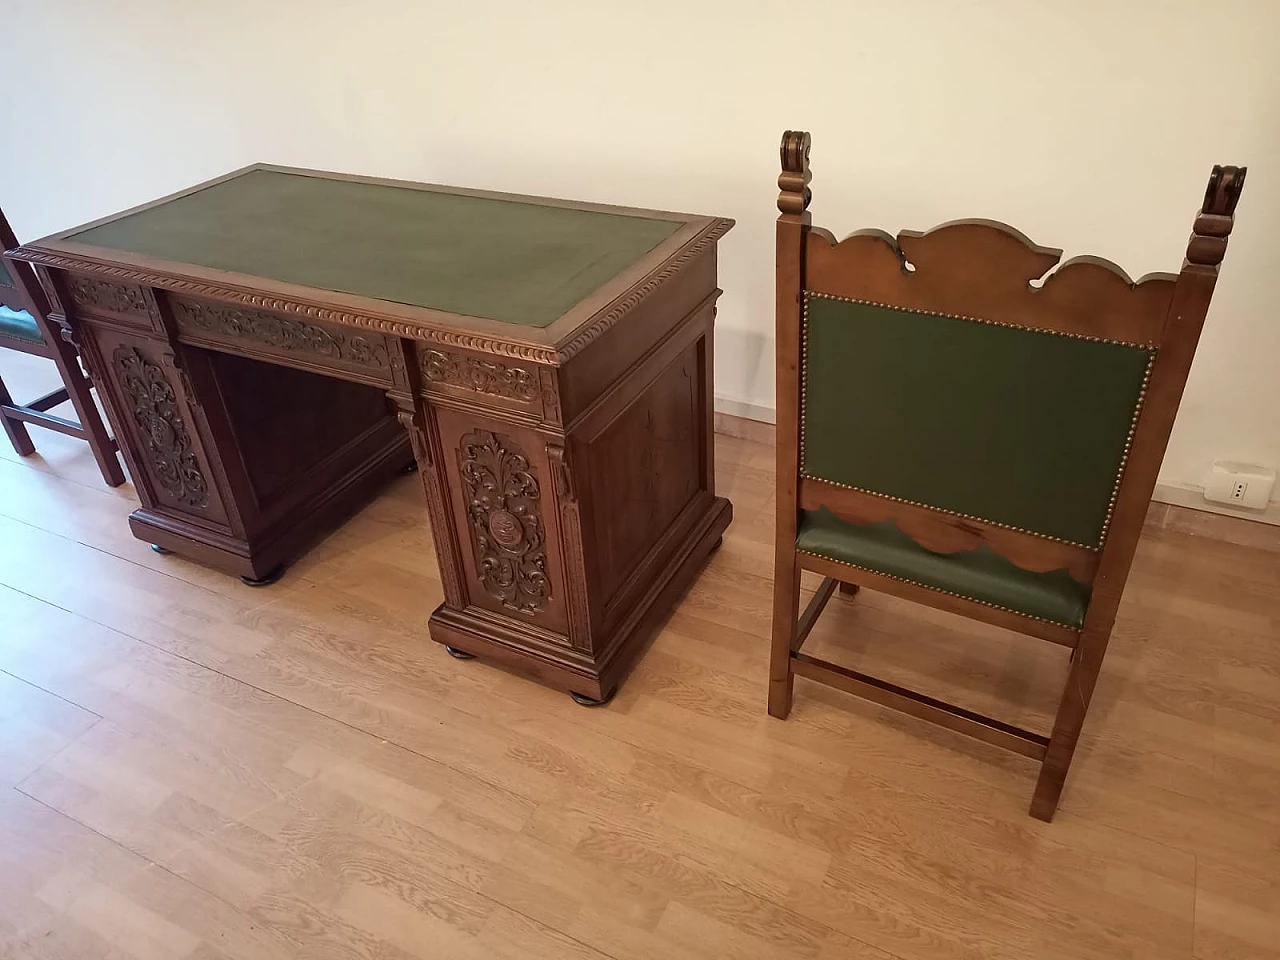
(589,333)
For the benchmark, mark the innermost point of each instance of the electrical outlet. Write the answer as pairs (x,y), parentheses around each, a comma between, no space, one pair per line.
(1240,484)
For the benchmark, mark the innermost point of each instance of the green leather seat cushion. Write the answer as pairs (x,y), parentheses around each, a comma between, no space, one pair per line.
(507,260)
(20,324)
(981,574)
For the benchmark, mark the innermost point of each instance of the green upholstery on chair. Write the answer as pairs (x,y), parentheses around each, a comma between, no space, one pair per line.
(964,423)
(1018,427)
(980,574)
(19,324)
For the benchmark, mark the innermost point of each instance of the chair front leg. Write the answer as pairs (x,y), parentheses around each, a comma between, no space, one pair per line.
(786,610)
(78,385)
(1086,663)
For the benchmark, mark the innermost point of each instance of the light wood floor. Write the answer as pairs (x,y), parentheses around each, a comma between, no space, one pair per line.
(190,768)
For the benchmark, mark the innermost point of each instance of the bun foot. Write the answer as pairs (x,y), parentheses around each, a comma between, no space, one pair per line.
(459,654)
(264,581)
(583,700)
(163,551)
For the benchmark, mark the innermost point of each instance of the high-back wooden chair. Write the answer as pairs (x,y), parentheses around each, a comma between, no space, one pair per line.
(25,326)
(951,431)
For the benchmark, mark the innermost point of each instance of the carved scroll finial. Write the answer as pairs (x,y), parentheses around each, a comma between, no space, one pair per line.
(795,176)
(1213,224)
(1223,192)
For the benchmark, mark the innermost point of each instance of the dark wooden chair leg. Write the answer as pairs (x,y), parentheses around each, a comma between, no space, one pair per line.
(848,591)
(78,389)
(1072,709)
(16,429)
(786,610)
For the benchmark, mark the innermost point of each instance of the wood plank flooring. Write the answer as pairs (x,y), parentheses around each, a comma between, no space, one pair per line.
(191,768)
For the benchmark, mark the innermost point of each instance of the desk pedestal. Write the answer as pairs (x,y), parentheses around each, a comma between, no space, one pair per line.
(571,502)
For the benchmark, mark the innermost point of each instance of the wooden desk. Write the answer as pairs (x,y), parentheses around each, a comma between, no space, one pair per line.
(274,345)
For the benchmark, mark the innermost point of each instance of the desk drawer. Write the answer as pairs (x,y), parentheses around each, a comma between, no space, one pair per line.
(121,304)
(347,352)
(482,380)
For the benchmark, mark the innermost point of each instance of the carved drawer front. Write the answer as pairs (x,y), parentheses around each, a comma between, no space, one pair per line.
(296,341)
(147,393)
(503,494)
(127,304)
(498,382)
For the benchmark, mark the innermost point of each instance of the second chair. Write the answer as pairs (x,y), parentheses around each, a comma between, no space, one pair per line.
(25,327)
(955,432)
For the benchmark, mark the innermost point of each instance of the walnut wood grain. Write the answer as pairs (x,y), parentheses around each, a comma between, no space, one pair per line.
(792,227)
(944,532)
(813,609)
(984,269)
(976,725)
(974,610)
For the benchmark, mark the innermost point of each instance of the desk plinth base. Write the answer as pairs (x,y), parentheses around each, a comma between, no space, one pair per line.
(327,506)
(510,643)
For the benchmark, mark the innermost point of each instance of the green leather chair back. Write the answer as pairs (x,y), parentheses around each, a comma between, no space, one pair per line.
(1020,427)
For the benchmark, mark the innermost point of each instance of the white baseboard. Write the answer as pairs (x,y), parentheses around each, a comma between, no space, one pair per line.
(1186,495)
(745,409)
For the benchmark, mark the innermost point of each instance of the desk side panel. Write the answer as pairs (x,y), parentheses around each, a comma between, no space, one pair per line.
(140,378)
(650,313)
(642,466)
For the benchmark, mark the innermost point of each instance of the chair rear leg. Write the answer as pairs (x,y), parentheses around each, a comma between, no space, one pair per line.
(16,429)
(786,610)
(101,444)
(1081,679)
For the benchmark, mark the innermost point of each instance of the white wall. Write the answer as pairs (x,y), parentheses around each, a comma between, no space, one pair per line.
(1091,125)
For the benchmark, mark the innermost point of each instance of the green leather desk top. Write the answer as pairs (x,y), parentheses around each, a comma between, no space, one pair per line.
(509,260)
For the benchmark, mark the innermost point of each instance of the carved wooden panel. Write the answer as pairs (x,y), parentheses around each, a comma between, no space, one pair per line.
(284,333)
(104,295)
(167,444)
(479,375)
(503,504)
(988,271)
(257,333)
(472,381)
(126,302)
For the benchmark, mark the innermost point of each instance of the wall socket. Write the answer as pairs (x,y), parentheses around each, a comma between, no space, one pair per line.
(1240,484)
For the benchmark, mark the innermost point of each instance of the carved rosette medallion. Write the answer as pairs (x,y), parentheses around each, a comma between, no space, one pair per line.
(482,376)
(164,435)
(283,333)
(503,506)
